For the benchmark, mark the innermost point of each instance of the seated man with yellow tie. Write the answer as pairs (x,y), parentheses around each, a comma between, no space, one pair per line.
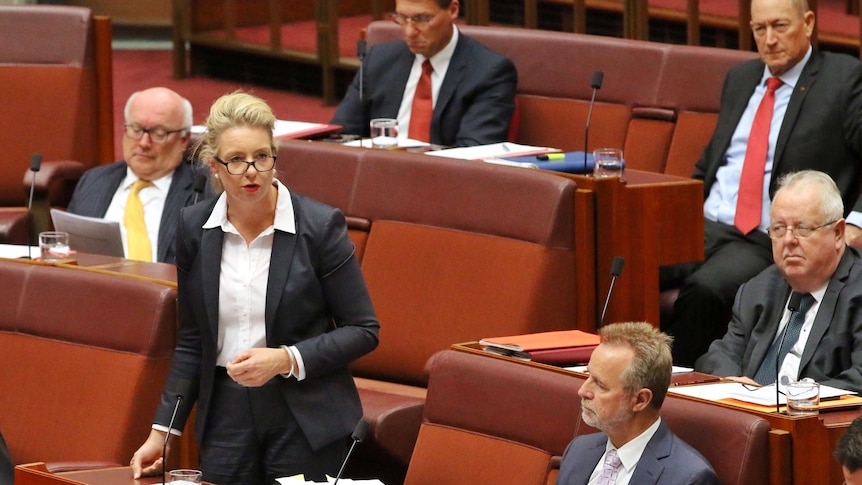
(442,86)
(629,376)
(822,335)
(146,191)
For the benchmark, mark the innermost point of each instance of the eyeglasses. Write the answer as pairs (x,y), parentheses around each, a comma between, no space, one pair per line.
(239,166)
(802,231)
(419,21)
(157,135)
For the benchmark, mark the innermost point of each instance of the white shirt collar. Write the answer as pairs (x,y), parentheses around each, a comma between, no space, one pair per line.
(630,453)
(163,183)
(284,214)
(791,76)
(442,58)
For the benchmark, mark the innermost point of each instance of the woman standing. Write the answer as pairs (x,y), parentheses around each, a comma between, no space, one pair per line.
(272,308)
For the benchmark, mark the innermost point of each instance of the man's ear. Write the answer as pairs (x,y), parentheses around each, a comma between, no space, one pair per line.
(642,399)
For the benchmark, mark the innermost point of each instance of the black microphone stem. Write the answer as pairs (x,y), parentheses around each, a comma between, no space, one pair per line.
(793,306)
(587,127)
(168,437)
(35,165)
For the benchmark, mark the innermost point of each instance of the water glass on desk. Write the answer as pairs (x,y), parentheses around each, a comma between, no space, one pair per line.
(54,245)
(185,477)
(384,133)
(803,397)
(608,162)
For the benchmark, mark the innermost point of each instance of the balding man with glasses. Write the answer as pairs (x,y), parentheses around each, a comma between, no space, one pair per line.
(824,334)
(442,86)
(146,191)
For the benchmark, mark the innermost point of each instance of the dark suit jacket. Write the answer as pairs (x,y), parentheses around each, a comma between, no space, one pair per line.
(474,105)
(665,460)
(97,187)
(7,468)
(833,352)
(822,128)
(316,299)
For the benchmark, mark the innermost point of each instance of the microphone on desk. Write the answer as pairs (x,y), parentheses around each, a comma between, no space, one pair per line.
(358,435)
(616,271)
(182,389)
(793,306)
(598,76)
(200,183)
(361,47)
(35,165)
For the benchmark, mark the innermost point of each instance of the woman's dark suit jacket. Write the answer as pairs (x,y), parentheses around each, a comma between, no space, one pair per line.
(316,299)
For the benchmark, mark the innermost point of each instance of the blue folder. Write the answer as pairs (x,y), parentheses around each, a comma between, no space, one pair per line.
(572,162)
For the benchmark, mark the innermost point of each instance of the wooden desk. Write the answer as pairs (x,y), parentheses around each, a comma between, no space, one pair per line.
(812,438)
(651,220)
(38,474)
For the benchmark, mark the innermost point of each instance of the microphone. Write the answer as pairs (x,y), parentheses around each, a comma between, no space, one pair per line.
(182,389)
(616,271)
(358,435)
(361,47)
(793,306)
(35,165)
(598,76)
(200,183)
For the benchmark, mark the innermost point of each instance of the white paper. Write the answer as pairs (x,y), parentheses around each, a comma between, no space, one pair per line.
(300,479)
(764,396)
(282,128)
(675,369)
(14,251)
(402,143)
(494,150)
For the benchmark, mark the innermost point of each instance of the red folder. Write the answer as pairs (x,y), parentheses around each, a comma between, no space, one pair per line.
(556,348)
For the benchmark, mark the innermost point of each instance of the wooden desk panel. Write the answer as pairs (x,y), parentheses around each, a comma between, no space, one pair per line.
(651,220)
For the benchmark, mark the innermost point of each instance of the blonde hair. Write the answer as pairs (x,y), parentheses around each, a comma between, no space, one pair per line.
(652,363)
(235,110)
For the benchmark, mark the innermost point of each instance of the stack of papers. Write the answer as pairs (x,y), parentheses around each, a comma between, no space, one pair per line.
(764,396)
(300,479)
(491,152)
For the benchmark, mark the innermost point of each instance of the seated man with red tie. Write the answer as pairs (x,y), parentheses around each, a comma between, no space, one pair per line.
(821,336)
(442,86)
(629,377)
(793,109)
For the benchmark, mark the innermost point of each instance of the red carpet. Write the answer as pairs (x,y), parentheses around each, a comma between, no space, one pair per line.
(139,69)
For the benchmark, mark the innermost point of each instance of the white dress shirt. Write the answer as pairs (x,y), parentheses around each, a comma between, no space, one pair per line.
(440,63)
(790,365)
(630,454)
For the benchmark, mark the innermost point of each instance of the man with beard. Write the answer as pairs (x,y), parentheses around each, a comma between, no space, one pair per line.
(823,336)
(630,373)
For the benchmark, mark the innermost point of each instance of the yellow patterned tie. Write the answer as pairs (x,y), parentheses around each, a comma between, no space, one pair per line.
(136,229)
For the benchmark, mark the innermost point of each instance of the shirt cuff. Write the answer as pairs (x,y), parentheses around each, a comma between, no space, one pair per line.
(164,429)
(855,218)
(299,370)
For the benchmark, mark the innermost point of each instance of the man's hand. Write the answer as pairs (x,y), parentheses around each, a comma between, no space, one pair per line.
(853,236)
(743,380)
(148,459)
(255,367)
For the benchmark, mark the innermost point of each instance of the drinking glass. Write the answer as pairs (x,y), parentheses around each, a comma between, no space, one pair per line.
(384,133)
(608,162)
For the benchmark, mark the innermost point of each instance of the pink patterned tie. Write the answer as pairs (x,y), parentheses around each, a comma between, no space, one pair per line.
(610,469)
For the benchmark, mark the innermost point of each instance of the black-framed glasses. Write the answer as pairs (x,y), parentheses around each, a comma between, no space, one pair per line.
(157,135)
(419,21)
(239,166)
(802,231)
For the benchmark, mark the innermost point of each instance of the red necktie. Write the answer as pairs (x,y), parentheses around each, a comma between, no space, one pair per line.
(423,108)
(750,199)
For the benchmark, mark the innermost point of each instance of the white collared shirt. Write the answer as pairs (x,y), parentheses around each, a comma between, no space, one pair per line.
(243,280)
(630,454)
(440,63)
(153,198)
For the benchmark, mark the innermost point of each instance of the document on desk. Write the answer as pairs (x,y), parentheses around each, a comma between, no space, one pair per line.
(492,151)
(14,251)
(763,396)
(402,143)
(288,129)
(300,479)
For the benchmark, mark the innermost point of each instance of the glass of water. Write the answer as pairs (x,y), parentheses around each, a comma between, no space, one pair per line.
(608,162)
(54,245)
(384,133)
(803,397)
